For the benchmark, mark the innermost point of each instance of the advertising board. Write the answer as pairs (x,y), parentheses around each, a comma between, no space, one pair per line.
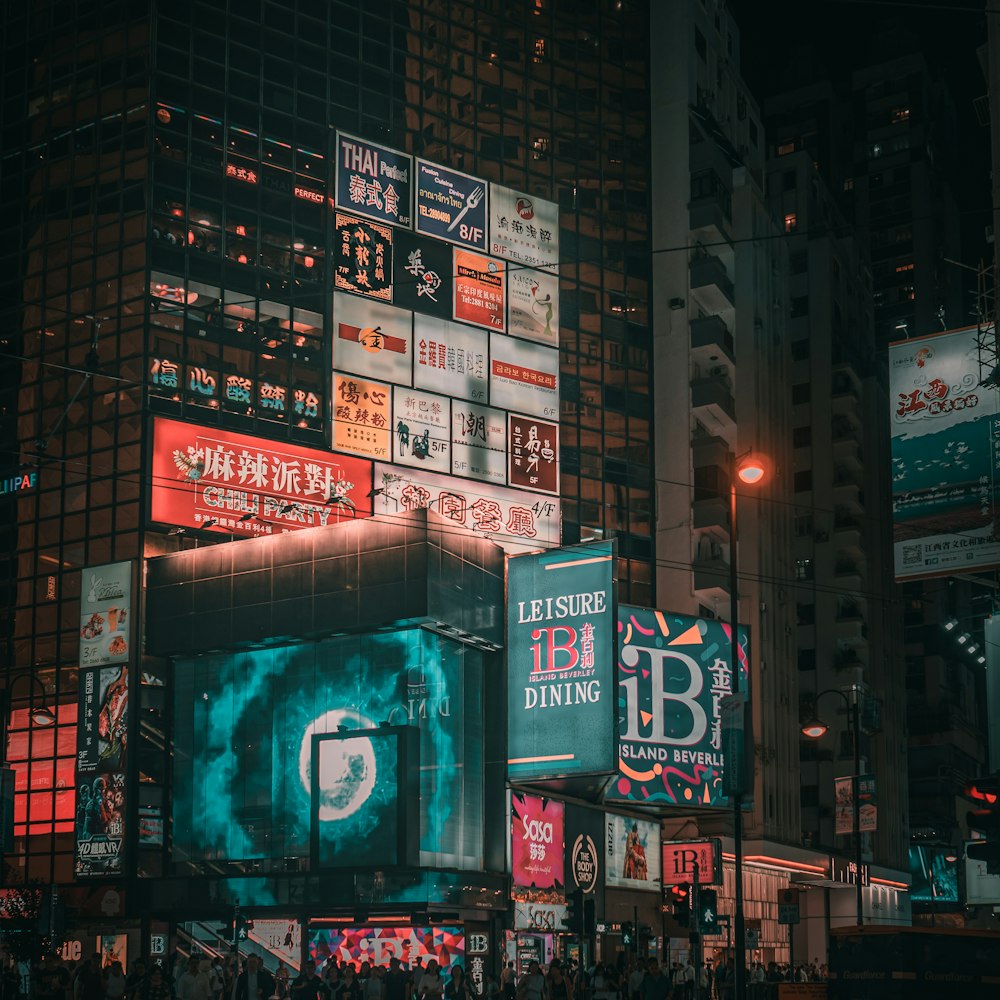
(933,874)
(451,357)
(362,257)
(533,305)
(422,426)
(373,180)
(533,452)
(372,340)
(451,206)
(514,520)
(524,377)
(100,825)
(944,456)
(423,274)
(479,290)
(362,416)
(478,442)
(682,858)
(249,486)
(537,833)
(674,673)
(523,227)
(377,945)
(632,853)
(561,702)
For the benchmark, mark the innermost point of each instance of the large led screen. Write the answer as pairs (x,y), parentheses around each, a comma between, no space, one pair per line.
(377,945)
(243,729)
(934,871)
(536,841)
(560,662)
(674,672)
(944,482)
(632,853)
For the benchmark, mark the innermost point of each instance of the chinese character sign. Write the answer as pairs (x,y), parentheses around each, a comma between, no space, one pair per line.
(246,486)
(945,450)
(100,825)
(362,416)
(479,290)
(373,181)
(533,448)
(478,442)
(372,339)
(674,673)
(516,521)
(561,711)
(421,424)
(524,377)
(533,305)
(537,842)
(450,358)
(450,205)
(523,228)
(423,274)
(362,257)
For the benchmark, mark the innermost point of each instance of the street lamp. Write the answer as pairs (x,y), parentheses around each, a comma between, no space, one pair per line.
(751,470)
(816,728)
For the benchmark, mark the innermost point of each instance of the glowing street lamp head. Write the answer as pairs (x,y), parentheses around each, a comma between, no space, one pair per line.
(752,469)
(814,729)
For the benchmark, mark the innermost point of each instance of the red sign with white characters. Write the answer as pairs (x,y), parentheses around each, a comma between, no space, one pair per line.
(537,841)
(208,478)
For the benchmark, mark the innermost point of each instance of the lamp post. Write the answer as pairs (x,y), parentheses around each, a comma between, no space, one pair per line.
(751,471)
(814,729)
(40,715)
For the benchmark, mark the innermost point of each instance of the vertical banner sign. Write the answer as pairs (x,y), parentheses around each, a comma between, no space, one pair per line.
(843,809)
(674,676)
(868,803)
(362,257)
(451,206)
(537,842)
(560,662)
(533,448)
(523,228)
(106,639)
(374,181)
(584,860)
(945,450)
(632,852)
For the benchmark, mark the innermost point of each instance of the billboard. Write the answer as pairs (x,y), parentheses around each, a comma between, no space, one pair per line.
(237,798)
(944,482)
(533,305)
(514,520)
(373,180)
(524,377)
(478,442)
(362,416)
(249,486)
(451,206)
(933,874)
(843,797)
(523,228)
(533,452)
(682,858)
(584,857)
(423,274)
(674,673)
(632,853)
(100,825)
(377,945)
(981,888)
(479,290)
(422,426)
(372,339)
(560,662)
(105,614)
(537,842)
(102,729)
(362,257)
(450,355)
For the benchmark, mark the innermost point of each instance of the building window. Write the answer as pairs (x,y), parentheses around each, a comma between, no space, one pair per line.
(788,181)
(905,266)
(700,45)
(799,306)
(540,148)
(806,614)
(785,148)
(539,53)
(791,222)
(803,481)
(802,437)
(800,393)
(804,569)
(900,115)
(849,184)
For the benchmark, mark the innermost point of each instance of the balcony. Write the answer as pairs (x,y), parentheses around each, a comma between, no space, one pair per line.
(710,217)
(712,402)
(848,573)
(711,341)
(848,533)
(847,494)
(711,579)
(711,516)
(711,283)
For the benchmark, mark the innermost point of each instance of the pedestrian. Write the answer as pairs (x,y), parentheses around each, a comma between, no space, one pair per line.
(254,983)
(431,985)
(307,985)
(374,987)
(532,984)
(90,980)
(114,982)
(185,982)
(158,986)
(458,986)
(508,982)
(202,987)
(560,988)
(635,980)
(656,985)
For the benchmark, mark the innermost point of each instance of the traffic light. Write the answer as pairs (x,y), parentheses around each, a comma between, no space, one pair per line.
(985,820)
(589,915)
(244,925)
(682,903)
(708,911)
(628,935)
(574,912)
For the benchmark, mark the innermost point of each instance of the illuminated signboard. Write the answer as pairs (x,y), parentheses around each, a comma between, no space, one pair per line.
(674,672)
(683,858)
(537,842)
(373,181)
(933,874)
(561,699)
(249,486)
(478,442)
(523,227)
(479,290)
(944,486)
(423,274)
(533,449)
(450,355)
(421,424)
(100,825)
(372,340)
(18,482)
(632,853)
(362,257)
(362,416)
(377,945)
(524,377)
(533,305)
(514,520)
(450,205)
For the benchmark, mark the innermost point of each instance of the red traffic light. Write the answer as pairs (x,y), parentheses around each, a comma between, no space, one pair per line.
(985,790)
(681,892)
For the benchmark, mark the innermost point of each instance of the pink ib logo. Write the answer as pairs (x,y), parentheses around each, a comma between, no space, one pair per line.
(525,208)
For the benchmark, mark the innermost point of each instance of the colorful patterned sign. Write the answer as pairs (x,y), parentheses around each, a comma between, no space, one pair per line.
(362,257)
(373,180)
(377,945)
(537,841)
(479,290)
